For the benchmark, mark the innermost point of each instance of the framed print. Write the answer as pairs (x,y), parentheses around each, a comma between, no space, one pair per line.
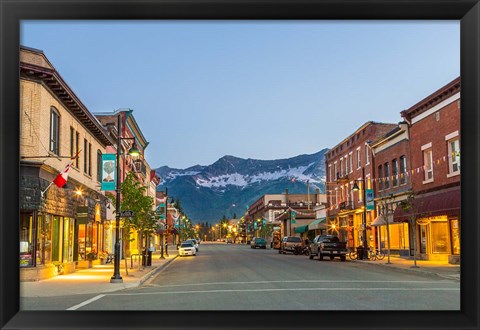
(54,239)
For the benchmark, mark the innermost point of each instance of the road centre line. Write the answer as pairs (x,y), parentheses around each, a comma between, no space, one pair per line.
(295,281)
(86,302)
(287,289)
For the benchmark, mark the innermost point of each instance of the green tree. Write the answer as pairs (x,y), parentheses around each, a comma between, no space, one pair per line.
(266,230)
(145,221)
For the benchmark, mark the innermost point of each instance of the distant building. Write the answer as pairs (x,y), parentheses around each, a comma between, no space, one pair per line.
(289,214)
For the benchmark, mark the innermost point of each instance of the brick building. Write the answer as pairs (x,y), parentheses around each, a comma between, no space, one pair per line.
(391,159)
(434,128)
(347,163)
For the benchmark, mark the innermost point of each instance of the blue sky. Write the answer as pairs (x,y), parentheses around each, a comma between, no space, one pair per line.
(252,89)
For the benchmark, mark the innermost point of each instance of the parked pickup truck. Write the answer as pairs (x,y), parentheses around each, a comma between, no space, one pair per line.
(288,244)
(328,245)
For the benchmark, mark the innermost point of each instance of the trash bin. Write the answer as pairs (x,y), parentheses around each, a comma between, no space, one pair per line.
(147,258)
(360,251)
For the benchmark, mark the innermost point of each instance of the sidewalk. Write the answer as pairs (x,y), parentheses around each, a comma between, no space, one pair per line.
(97,278)
(432,268)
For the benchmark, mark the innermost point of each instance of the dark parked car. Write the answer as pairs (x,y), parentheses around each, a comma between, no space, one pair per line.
(259,242)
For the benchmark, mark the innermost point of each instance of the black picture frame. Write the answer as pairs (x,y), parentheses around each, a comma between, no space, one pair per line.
(12,11)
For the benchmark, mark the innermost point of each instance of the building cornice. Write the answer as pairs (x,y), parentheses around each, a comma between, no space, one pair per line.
(433,99)
(55,83)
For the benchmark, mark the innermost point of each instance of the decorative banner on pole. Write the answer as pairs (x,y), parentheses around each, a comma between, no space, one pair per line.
(369,199)
(293,216)
(109,165)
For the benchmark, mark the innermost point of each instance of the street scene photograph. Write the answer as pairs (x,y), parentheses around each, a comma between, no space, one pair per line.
(210,165)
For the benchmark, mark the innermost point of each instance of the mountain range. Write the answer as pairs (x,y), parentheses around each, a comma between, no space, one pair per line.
(228,186)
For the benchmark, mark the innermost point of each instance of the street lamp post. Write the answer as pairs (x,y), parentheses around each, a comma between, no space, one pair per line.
(364,219)
(117,278)
(164,227)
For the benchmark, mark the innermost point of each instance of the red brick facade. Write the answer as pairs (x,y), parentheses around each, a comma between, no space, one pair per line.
(344,165)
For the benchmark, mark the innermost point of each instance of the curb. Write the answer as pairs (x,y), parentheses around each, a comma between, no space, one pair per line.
(154,271)
(409,270)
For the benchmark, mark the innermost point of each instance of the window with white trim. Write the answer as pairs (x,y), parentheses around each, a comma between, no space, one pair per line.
(335,170)
(350,160)
(336,197)
(360,190)
(380,177)
(341,166)
(367,156)
(330,177)
(387,175)
(453,156)
(403,169)
(359,163)
(394,172)
(428,164)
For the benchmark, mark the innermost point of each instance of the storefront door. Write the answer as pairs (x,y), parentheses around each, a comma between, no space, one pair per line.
(423,239)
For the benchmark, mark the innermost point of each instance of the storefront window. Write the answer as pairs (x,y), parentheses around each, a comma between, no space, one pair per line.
(439,232)
(56,239)
(398,236)
(454,226)
(44,239)
(26,239)
(68,238)
(95,237)
(88,237)
(81,242)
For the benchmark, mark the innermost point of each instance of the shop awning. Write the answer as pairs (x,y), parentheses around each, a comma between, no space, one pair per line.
(318,224)
(301,229)
(380,220)
(444,203)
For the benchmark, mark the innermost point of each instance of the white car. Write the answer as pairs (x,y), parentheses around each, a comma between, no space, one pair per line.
(187,249)
(193,241)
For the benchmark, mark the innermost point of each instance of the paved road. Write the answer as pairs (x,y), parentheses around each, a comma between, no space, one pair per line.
(235,277)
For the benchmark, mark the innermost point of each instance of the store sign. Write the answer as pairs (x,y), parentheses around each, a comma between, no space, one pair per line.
(369,197)
(109,165)
(25,260)
(82,215)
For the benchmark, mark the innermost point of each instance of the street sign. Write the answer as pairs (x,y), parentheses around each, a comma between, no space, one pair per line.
(126,214)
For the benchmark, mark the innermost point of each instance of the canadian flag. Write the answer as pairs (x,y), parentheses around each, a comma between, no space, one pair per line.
(62,177)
